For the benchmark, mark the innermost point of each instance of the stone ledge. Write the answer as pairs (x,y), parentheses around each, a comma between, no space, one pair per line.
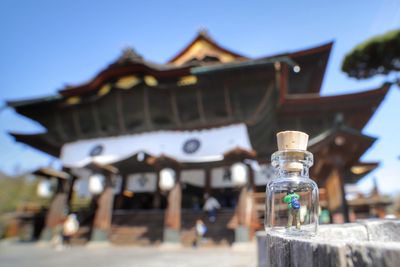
(365,243)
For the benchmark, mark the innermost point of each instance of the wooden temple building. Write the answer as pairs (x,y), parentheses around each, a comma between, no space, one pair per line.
(204,110)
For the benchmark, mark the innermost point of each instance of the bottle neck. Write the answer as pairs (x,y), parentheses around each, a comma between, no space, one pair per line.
(292,163)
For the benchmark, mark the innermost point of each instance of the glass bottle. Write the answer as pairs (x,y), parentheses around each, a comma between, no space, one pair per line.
(291,196)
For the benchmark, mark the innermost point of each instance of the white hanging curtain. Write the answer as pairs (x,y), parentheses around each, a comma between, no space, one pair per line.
(184,146)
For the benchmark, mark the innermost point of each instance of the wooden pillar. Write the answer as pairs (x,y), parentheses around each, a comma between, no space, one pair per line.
(71,192)
(345,206)
(103,215)
(120,198)
(251,182)
(56,214)
(241,225)
(241,207)
(339,167)
(157,193)
(245,212)
(172,219)
(380,211)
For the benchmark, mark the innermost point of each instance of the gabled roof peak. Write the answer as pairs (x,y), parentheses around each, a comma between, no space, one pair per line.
(203,46)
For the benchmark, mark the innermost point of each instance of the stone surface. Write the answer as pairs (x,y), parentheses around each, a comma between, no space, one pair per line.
(30,255)
(348,232)
(171,236)
(47,234)
(242,234)
(379,230)
(367,243)
(99,235)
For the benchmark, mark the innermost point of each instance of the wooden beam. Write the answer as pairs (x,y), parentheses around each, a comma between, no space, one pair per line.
(281,79)
(175,109)
(263,104)
(120,112)
(277,67)
(59,126)
(146,109)
(200,107)
(284,82)
(228,103)
(76,123)
(96,119)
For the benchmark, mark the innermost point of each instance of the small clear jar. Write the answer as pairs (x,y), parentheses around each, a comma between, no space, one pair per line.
(291,196)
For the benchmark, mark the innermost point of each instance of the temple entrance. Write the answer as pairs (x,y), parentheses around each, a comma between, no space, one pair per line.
(197,185)
(139,208)
(157,200)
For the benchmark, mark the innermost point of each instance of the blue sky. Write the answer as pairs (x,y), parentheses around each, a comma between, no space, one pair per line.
(48,44)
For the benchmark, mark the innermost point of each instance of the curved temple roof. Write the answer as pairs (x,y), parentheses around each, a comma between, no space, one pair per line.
(356,107)
(312,63)
(134,96)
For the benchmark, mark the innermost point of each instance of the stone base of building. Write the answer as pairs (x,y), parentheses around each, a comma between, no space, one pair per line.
(242,234)
(47,234)
(99,235)
(171,236)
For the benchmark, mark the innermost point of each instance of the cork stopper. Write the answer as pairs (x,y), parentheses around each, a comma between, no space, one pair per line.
(292,140)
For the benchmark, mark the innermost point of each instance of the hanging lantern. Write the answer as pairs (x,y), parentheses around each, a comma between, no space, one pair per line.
(239,173)
(141,156)
(167,179)
(96,183)
(44,188)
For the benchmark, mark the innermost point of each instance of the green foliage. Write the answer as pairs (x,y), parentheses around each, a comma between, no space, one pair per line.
(79,203)
(17,192)
(378,55)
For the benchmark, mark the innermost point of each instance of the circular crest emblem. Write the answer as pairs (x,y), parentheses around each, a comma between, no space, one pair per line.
(96,150)
(191,146)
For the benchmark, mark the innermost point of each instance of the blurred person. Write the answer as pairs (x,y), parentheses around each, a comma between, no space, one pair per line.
(201,230)
(210,206)
(70,227)
(324,217)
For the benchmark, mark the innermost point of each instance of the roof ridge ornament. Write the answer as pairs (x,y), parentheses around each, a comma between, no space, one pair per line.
(203,31)
(129,54)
